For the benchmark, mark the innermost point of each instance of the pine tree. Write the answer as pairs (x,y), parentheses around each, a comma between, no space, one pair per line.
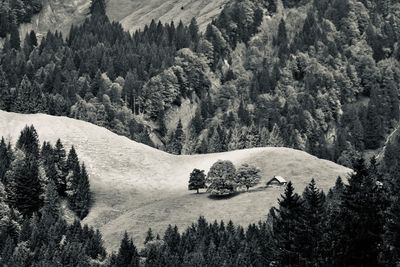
(127,254)
(23,185)
(311,224)
(98,8)
(5,159)
(285,223)
(149,236)
(81,198)
(15,41)
(28,142)
(215,142)
(197,180)
(362,217)
(177,140)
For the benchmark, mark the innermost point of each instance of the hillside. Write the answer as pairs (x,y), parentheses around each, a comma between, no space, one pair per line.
(132,14)
(136,187)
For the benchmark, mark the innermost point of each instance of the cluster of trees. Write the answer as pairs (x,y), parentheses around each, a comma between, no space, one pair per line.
(15,12)
(223,178)
(28,169)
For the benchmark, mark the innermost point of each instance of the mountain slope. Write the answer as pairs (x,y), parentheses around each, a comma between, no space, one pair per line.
(136,187)
(132,14)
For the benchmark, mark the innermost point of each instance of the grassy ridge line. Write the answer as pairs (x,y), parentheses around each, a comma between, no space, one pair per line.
(136,186)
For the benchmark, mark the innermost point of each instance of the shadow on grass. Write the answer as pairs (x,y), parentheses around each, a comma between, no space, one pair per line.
(221,197)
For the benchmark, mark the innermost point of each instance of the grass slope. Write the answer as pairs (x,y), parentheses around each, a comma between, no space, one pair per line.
(133,14)
(136,186)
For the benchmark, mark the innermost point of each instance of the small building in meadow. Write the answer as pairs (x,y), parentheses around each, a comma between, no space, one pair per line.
(277,181)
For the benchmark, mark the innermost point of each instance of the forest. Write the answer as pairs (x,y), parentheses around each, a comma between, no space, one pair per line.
(329,87)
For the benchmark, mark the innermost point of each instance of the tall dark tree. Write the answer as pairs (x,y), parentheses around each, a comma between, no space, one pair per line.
(23,185)
(28,142)
(127,254)
(285,223)
(362,217)
(98,8)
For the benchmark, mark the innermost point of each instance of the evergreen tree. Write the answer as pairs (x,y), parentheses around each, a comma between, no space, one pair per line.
(5,159)
(127,254)
(362,217)
(177,140)
(149,236)
(197,180)
(23,185)
(98,8)
(28,142)
(311,224)
(80,198)
(285,223)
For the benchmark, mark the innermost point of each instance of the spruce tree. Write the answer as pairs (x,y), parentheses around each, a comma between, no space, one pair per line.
(28,142)
(285,223)
(362,217)
(127,254)
(5,159)
(23,185)
(98,8)
(81,197)
(311,224)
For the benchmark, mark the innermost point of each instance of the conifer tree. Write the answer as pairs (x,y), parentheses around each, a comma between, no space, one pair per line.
(80,197)
(362,217)
(127,254)
(23,185)
(311,224)
(98,8)
(28,142)
(5,159)
(285,223)
(177,140)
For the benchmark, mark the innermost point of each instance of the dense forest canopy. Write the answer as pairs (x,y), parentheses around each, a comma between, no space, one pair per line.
(253,78)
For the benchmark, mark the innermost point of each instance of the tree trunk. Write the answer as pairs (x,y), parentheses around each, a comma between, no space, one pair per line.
(197,190)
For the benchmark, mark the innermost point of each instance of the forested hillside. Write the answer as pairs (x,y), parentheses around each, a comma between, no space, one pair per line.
(254,78)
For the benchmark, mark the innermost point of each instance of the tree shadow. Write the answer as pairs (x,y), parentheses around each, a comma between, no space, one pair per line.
(225,196)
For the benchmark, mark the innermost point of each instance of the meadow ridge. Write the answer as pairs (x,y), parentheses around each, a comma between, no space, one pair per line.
(136,187)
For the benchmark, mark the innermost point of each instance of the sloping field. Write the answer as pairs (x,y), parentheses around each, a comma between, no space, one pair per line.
(133,14)
(136,187)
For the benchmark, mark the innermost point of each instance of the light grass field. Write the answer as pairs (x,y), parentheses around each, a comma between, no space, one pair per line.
(133,14)
(136,187)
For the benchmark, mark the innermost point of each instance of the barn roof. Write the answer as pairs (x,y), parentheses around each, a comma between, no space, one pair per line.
(280,179)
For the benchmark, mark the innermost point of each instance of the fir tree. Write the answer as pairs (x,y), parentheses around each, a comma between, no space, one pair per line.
(127,254)
(23,185)
(362,218)
(285,221)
